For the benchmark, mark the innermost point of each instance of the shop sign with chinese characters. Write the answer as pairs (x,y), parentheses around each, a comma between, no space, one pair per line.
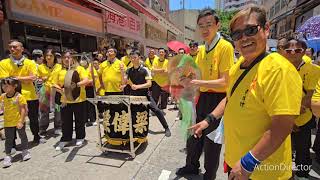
(125,26)
(155,34)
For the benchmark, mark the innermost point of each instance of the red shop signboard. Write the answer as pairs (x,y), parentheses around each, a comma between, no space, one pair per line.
(125,26)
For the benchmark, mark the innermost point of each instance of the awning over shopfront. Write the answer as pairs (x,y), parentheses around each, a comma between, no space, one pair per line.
(58,14)
(105,7)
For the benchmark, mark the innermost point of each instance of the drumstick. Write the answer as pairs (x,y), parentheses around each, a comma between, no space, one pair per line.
(93,80)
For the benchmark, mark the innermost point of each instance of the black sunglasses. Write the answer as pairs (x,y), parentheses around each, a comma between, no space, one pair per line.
(298,50)
(248,31)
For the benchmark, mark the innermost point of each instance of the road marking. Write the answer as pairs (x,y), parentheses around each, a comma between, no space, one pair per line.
(164,175)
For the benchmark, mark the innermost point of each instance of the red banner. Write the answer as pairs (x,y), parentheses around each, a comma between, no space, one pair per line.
(125,26)
(127,23)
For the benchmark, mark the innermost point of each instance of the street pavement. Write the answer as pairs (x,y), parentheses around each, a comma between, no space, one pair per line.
(156,160)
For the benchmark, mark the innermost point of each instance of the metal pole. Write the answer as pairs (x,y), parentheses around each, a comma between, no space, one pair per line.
(131,138)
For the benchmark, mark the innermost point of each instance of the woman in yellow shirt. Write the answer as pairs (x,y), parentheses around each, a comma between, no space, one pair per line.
(70,109)
(15,110)
(46,72)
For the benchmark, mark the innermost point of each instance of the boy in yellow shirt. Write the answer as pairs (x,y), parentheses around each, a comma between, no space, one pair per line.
(214,60)
(160,79)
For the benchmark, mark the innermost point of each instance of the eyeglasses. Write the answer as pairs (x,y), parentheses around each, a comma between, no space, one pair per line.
(207,26)
(297,51)
(248,31)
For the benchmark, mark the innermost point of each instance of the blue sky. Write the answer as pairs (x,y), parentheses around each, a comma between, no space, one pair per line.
(191,4)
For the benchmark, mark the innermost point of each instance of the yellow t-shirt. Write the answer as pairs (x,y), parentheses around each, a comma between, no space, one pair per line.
(126,61)
(149,64)
(29,67)
(111,75)
(272,87)
(307,59)
(216,61)
(309,74)
(160,79)
(316,94)
(96,77)
(12,109)
(49,73)
(101,91)
(196,58)
(59,80)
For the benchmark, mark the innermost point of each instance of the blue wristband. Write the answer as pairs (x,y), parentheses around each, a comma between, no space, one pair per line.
(249,162)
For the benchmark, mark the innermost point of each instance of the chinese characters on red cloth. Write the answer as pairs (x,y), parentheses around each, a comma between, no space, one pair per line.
(130,22)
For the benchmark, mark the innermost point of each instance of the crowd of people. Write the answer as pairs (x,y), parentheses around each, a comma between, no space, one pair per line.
(35,87)
(268,100)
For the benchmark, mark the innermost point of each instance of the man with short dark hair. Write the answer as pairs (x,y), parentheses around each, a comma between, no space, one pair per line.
(193,49)
(25,70)
(160,79)
(309,52)
(139,79)
(181,51)
(215,58)
(112,73)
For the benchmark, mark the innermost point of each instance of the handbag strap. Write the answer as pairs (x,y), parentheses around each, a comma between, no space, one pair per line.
(246,71)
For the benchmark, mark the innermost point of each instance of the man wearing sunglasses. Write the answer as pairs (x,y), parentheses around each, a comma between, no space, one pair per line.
(215,58)
(194,50)
(301,136)
(263,100)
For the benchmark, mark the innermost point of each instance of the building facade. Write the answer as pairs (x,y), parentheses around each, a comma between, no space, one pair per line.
(280,15)
(186,20)
(158,33)
(234,5)
(144,23)
(286,16)
(57,24)
(87,25)
(305,9)
(219,4)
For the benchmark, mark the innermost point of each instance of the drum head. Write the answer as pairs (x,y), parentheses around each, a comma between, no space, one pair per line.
(71,91)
